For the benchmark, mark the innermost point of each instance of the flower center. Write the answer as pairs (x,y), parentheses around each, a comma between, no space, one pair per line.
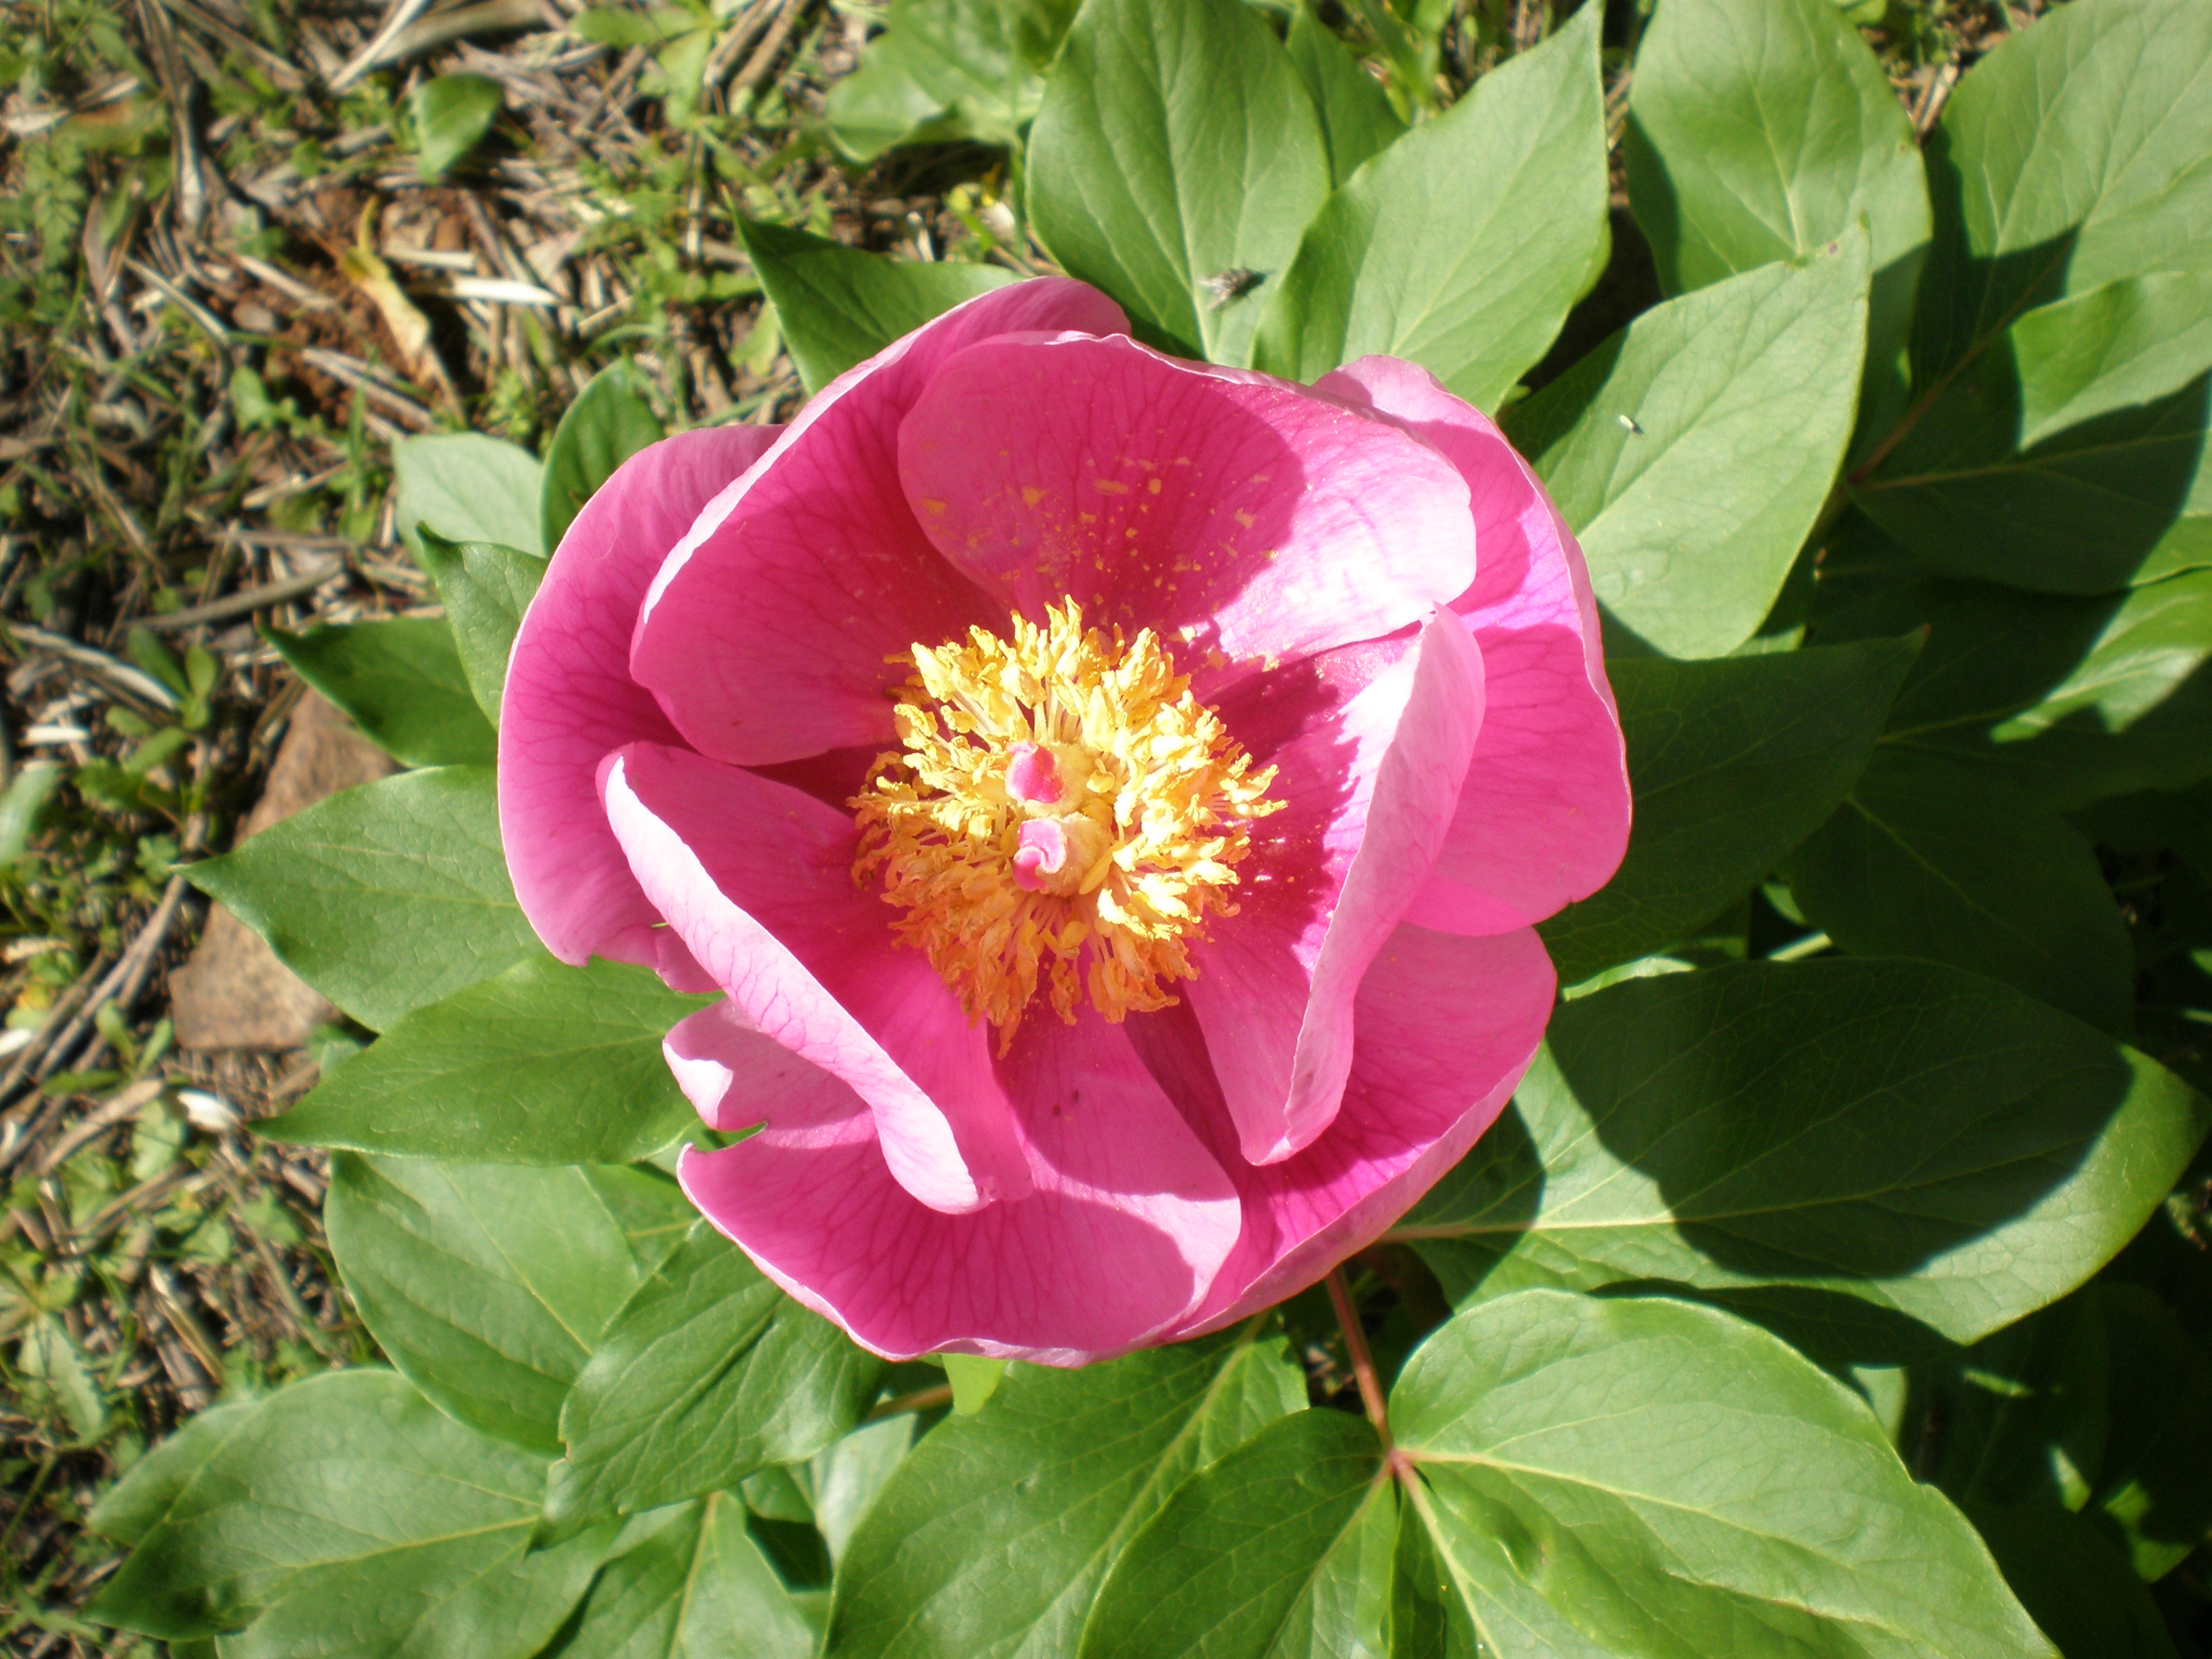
(1065,817)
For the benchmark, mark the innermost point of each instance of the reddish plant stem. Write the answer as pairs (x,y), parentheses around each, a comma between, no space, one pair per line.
(922,1399)
(1363,1362)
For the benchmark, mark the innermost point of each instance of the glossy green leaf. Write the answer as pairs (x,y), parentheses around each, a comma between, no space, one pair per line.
(1283,1547)
(468,488)
(1356,120)
(541,1064)
(2075,1583)
(695,1586)
(1648,1477)
(2111,188)
(2129,342)
(485,590)
(2102,1405)
(1176,145)
(347,1514)
(451,114)
(1913,1137)
(996,1532)
(1693,453)
(1732,763)
(1463,245)
(1763,130)
(401,681)
(842,305)
(1932,858)
(608,423)
(2074,699)
(708,1373)
(487,1285)
(946,69)
(387,897)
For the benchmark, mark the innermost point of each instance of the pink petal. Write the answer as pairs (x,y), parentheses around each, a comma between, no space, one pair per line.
(1247,520)
(1447,1025)
(1129,1221)
(1543,817)
(755,878)
(766,635)
(1370,784)
(570,702)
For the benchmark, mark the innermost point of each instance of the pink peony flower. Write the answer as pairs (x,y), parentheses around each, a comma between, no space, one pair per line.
(1113,793)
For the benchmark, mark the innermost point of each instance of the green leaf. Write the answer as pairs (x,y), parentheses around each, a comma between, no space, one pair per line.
(1692,453)
(945,70)
(842,305)
(21,803)
(387,897)
(608,423)
(401,681)
(1356,120)
(2121,498)
(485,590)
(2074,699)
(347,1515)
(468,488)
(1462,247)
(451,114)
(2102,1404)
(845,1477)
(2114,185)
(48,1356)
(1932,858)
(1282,1547)
(2155,1482)
(2129,342)
(151,1492)
(1647,1477)
(1913,1137)
(1973,477)
(1763,130)
(882,104)
(487,1285)
(708,1373)
(541,1064)
(1731,762)
(1051,1479)
(1175,145)
(696,1587)
(974,1381)
(2074,1581)
(614,26)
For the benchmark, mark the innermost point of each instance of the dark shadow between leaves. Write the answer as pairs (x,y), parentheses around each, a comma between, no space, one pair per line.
(1825,1123)
(2085,510)
(1472,1218)
(1993,653)
(1836,1331)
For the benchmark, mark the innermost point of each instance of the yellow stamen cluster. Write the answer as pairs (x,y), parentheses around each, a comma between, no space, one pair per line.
(1144,813)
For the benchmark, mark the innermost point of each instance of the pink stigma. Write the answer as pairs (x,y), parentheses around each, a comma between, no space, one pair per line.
(1032,776)
(1043,850)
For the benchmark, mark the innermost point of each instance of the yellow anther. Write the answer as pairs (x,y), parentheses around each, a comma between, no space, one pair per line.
(1065,817)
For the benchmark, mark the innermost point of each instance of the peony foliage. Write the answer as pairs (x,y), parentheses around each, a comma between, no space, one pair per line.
(910,942)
